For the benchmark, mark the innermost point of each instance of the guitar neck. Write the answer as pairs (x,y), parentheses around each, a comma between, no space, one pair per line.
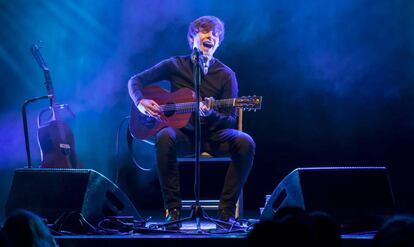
(49,85)
(190,106)
(223,103)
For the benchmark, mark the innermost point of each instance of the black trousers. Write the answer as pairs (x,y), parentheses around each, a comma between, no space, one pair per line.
(171,142)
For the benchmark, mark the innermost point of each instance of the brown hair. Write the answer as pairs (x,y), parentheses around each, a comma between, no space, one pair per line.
(208,23)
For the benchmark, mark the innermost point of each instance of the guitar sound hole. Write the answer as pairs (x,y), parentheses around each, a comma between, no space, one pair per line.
(169,109)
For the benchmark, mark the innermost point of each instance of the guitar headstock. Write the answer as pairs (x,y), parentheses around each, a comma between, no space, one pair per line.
(249,102)
(35,49)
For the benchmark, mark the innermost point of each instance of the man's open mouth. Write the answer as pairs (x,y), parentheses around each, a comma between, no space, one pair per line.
(208,44)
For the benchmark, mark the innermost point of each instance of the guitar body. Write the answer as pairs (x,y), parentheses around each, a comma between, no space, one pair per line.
(176,109)
(57,146)
(142,126)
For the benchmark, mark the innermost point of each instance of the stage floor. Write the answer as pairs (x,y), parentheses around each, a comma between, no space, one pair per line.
(188,236)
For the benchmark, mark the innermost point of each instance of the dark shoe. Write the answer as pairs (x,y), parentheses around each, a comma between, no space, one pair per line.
(172,214)
(228,219)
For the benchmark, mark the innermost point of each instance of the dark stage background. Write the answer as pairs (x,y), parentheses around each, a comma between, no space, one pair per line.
(336,79)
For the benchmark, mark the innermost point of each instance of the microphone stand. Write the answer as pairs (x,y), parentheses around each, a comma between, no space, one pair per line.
(197,212)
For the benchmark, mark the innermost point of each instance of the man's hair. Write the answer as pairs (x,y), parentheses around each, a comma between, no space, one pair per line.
(207,23)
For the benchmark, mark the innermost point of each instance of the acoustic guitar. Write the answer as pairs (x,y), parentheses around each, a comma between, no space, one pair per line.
(176,109)
(55,138)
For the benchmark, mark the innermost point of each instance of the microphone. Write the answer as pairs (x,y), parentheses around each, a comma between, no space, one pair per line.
(196,54)
(196,51)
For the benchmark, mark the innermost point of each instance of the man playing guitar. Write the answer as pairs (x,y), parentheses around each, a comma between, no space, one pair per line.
(218,133)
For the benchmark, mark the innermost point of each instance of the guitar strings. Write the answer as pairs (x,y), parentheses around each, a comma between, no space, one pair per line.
(190,106)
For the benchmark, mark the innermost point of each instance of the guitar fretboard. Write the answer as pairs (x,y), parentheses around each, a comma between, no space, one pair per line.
(187,107)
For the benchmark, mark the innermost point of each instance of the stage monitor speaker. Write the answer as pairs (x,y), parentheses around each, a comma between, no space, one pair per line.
(349,194)
(50,193)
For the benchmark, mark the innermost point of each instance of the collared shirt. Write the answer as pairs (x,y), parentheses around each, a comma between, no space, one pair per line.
(206,63)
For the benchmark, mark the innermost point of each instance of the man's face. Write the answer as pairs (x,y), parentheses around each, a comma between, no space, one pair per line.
(206,41)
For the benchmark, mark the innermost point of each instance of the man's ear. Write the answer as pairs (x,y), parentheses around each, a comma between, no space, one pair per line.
(191,42)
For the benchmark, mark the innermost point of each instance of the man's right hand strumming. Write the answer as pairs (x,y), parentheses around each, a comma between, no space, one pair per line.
(149,108)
